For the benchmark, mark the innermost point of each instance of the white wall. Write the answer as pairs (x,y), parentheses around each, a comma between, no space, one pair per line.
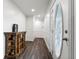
(34,28)
(12,15)
(38,27)
(29,28)
(48,33)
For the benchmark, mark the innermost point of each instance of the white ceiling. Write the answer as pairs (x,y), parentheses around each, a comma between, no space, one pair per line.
(26,5)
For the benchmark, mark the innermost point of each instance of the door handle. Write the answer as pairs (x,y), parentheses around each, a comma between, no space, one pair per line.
(65,39)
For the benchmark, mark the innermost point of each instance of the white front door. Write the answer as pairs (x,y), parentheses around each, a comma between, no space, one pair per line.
(62,30)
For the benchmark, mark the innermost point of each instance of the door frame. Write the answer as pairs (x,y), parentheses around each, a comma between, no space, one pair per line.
(72,29)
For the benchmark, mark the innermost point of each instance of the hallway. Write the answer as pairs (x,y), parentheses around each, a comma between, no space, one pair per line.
(38,29)
(36,50)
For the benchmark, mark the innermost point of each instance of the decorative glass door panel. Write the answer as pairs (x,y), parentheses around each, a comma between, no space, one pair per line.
(58,30)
